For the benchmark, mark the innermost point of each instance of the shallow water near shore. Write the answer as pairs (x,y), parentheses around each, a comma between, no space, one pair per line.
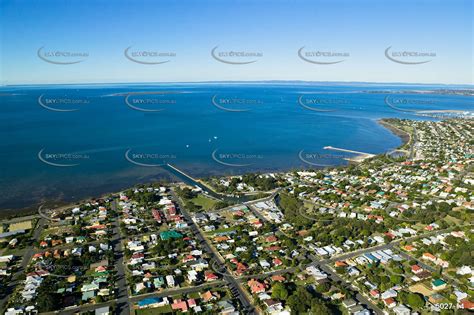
(69,142)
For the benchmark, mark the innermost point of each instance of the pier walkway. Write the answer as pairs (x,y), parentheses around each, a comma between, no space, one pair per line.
(349,151)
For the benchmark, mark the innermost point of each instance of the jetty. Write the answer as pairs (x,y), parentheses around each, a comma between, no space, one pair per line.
(360,156)
(181,172)
(205,188)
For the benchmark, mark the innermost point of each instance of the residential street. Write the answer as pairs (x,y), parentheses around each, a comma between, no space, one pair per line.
(123,305)
(235,286)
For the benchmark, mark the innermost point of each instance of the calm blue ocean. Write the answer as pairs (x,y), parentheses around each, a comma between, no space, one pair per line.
(68,142)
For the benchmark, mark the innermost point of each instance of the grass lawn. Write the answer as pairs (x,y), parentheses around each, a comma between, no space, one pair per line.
(205,202)
(228,216)
(25,225)
(419,226)
(194,295)
(156,310)
(49,231)
(452,220)
(13,251)
(231,228)
(45,233)
(309,206)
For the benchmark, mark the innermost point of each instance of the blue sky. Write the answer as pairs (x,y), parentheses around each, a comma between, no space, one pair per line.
(277,29)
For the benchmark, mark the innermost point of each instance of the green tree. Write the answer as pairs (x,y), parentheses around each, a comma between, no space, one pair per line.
(415,300)
(396,279)
(320,309)
(279,291)
(323,287)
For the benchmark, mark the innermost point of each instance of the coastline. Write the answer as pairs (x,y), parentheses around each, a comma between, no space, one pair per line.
(402,134)
(11,213)
(55,203)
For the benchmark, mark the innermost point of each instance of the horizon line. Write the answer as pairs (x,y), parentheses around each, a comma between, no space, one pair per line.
(239,81)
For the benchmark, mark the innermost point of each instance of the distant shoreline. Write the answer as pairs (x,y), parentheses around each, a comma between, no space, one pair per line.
(275,81)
